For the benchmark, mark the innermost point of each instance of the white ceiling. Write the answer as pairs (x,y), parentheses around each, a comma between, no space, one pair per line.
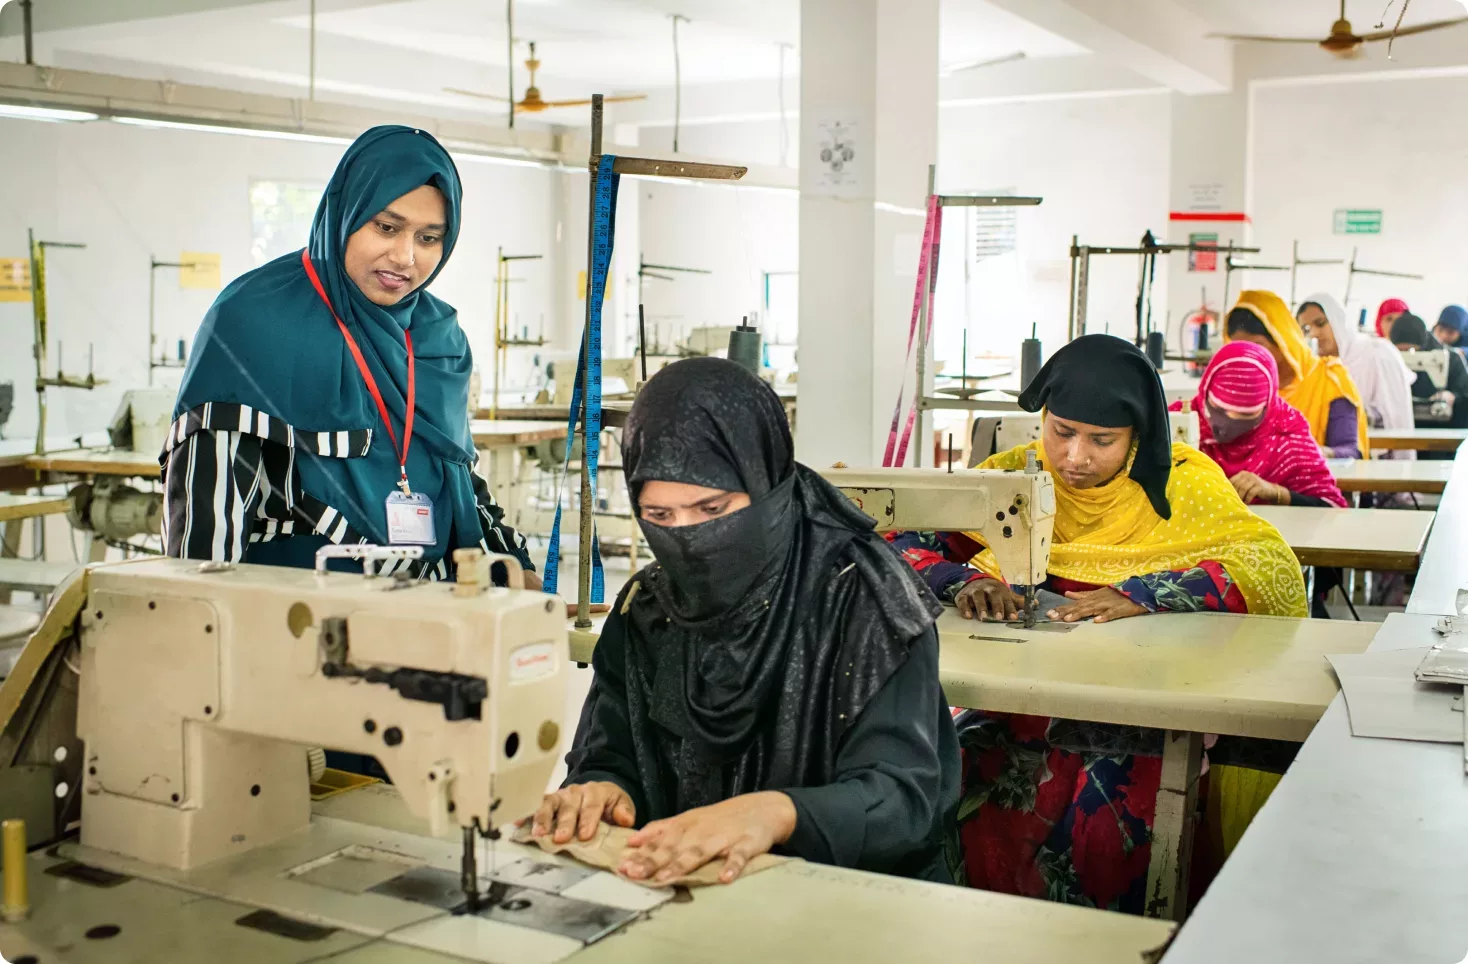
(409,50)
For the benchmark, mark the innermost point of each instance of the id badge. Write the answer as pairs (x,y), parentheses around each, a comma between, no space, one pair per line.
(410,520)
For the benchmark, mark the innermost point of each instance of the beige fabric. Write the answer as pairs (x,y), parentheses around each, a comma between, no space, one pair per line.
(604,852)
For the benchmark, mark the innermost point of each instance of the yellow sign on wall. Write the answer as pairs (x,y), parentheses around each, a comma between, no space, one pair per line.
(200,270)
(15,279)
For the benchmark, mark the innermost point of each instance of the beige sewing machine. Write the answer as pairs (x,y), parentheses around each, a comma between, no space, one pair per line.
(1014,511)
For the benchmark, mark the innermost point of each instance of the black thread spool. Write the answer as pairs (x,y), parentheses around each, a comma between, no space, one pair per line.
(1029,358)
(1155,348)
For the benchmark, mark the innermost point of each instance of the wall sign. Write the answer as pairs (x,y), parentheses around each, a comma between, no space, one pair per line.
(15,279)
(1357,221)
(1203,260)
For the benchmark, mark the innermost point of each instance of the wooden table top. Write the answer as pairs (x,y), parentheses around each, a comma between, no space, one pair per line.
(1258,676)
(492,433)
(13,507)
(1390,539)
(1422,439)
(97,462)
(1391,475)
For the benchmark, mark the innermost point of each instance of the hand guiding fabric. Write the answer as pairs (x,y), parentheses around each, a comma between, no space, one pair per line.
(1101,605)
(738,829)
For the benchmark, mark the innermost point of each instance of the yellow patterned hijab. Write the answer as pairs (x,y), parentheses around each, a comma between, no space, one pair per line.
(1106,534)
(1318,381)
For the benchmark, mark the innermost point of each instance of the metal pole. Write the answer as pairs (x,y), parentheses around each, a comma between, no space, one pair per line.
(38,317)
(588,498)
(313,51)
(1294,271)
(25,19)
(499,308)
(152,337)
(677,84)
(1083,290)
(510,55)
(1350,277)
(1070,311)
(922,332)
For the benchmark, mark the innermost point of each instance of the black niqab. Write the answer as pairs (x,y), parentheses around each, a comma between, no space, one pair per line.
(757,638)
(1104,380)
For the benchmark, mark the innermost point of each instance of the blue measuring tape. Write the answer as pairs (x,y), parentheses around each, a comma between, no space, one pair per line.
(603,228)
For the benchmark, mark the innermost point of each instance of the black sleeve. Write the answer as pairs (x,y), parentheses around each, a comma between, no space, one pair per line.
(896,775)
(498,534)
(211,494)
(602,749)
(1297,498)
(1457,373)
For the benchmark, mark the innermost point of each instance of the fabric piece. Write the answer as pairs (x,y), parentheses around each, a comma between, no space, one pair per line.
(941,559)
(1280,449)
(1383,380)
(731,692)
(1108,533)
(1104,380)
(269,343)
(886,803)
(605,849)
(1388,307)
(1318,381)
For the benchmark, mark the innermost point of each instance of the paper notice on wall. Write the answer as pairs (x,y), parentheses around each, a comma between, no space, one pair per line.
(15,279)
(1207,196)
(841,167)
(1203,260)
(200,270)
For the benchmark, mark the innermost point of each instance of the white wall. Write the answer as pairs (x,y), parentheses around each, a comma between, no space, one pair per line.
(1397,145)
(738,233)
(1102,167)
(128,193)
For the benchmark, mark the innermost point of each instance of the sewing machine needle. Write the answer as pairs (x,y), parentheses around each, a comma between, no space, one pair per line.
(469,872)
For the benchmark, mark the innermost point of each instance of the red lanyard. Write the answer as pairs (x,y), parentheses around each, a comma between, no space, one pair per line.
(372,382)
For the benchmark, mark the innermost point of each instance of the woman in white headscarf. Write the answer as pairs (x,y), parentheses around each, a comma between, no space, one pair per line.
(1383,379)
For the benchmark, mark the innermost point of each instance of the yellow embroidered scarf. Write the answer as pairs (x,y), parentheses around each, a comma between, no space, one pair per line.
(1318,381)
(1108,533)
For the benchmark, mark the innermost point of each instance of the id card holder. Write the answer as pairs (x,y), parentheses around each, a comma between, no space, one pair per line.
(410,520)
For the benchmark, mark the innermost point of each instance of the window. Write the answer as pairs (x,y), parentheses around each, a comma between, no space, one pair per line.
(280,217)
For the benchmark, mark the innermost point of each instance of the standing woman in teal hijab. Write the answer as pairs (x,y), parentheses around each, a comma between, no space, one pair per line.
(327,396)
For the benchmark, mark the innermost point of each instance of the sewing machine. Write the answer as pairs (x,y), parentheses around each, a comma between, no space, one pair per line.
(1439,407)
(201,685)
(1014,511)
(1002,433)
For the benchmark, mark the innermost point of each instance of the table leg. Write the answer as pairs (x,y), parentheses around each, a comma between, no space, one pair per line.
(1173,825)
(9,549)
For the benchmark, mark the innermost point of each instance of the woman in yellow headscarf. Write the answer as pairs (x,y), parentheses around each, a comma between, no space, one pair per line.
(1321,388)
(1058,808)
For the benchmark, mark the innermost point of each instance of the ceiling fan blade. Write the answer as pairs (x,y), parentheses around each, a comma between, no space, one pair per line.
(604,100)
(1419,28)
(474,93)
(1253,38)
(976,64)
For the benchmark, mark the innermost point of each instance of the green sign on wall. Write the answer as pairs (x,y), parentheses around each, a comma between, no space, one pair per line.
(1357,221)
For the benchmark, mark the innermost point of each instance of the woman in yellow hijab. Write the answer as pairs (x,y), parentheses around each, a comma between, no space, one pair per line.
(1321,388)
(1059,808)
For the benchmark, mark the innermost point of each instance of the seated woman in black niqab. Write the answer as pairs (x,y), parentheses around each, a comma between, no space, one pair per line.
(770,682)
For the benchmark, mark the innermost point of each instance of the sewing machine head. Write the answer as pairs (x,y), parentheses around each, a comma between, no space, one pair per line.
(201,684)
(1022,428)
(1014,511)
(1435,363)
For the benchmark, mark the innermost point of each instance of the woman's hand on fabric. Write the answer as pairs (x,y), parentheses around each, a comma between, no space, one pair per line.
(1101,605)
(577,810)
(738,830)
(987,598)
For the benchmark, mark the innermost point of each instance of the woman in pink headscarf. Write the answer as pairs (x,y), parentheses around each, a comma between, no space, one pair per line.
(1262,444)
(1390,310)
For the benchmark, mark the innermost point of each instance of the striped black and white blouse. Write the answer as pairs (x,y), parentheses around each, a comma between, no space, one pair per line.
(230,479)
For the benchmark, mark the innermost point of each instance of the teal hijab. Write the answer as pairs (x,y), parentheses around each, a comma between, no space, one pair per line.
(269,342)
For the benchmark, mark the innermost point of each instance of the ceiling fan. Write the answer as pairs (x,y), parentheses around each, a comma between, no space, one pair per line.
(1345,42)
(532,101)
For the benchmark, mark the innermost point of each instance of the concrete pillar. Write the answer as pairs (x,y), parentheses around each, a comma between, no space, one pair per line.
(869,84)
(1209,195)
